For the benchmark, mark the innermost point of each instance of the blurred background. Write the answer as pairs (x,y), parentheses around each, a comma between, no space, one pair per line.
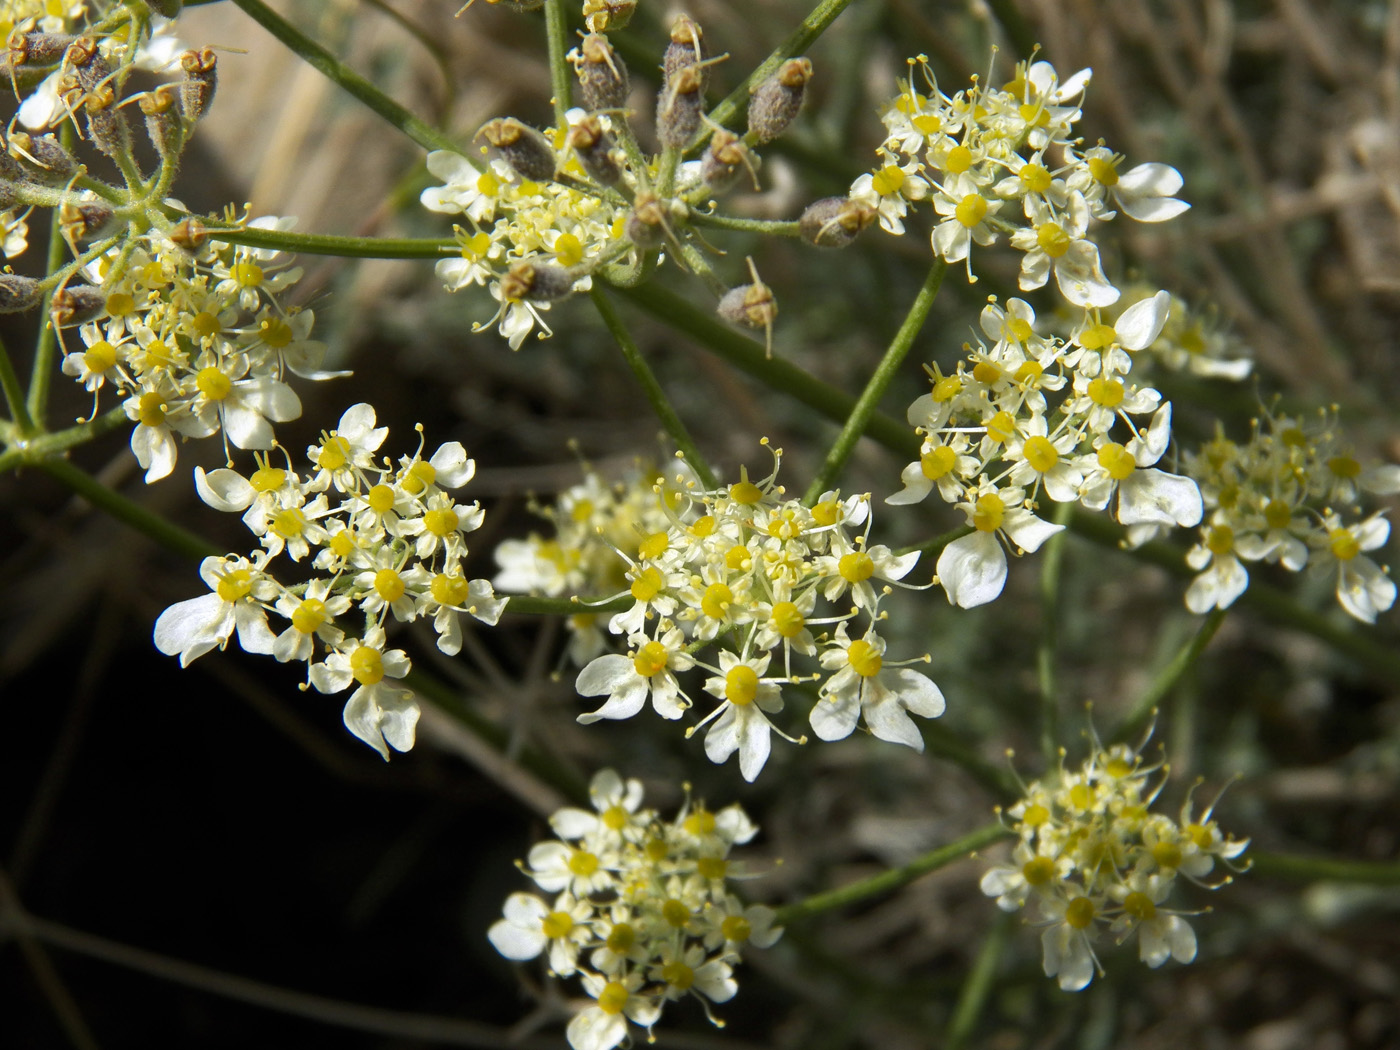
(225,866)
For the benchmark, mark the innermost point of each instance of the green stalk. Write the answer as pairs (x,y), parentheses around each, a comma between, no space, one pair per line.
(44,446)
(894,878)
(767,227)
(529,605)
(1331,869)
(978,986)
(556,30)
(427,136)
(864,409)
(801,38)
(1170,676)
(330,244)
(45,347)
(14,395)
(1049,638)
(748,356)
(656,396)
(170,536)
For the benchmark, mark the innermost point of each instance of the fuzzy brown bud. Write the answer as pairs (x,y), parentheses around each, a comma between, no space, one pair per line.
(86,63)
(190,234)
(82,219)
(594,148)
(687,48)
(724,159)
(201,78)
(524,148)
(679,107)
(602,16)
(43,157)
(776,101)
(602,75)
(834,222)
(164,125)
(751,305)
(539,282)
(76,303)
(36,49)
(646,225)
(18,294)
(107,123)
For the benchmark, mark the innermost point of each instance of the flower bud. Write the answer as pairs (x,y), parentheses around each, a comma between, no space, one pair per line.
(524,148)
(197,87)
(164,124)
(751,305)
(36,49)
(81,220)
(834,222)
(594,148)
(722,161)
(602,75)
(687,48)
(86,63)
(540,282)
(76,303)
(107,123)
(43,157)
(190,234)
(680,106)
(602,16)
(775,102)
(18,293)
(646,225)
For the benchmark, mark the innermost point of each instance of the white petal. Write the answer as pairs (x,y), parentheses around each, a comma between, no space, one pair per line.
(972,569)
(1140,324)
(224,489)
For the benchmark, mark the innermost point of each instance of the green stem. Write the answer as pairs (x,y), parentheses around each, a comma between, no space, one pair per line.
(768,227)
(14,395)
(656,396)
(46,345)
(332,68)
(1347,638)
(801,38)
(1049,638)
(529,605)
(884,374)
(45,446)
(978,986)
(330,244)
(1170,676)
(129,512)
(556,29)
(748,356)
(894,878)
(1333,869)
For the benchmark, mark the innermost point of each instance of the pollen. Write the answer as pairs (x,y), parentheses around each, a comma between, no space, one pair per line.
(449,590)
(1040,454)
(213,384)
(310,615)
(367,665)
(1052,239)
(864,658)
(650,660)
(987,514)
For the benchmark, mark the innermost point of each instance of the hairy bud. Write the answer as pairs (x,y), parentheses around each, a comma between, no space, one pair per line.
(190,234)
(687,48)
(680,106)
(524,148)
(107,123)
(43,157)
(18,294)
(646,225)
(724,159)
(540,282)
(775,102)
(834,222)
(164,124)
(200,80)
(751,305)
(602,76)
(594,148)
(76,303)
(602,16)
(81,220)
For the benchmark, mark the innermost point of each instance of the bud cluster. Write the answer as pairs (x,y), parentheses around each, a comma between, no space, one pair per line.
(1092,856)
(639,909)
(378,539)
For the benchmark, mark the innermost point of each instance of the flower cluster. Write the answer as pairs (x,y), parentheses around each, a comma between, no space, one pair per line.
(1290,495)
(1026,414)
(392,544)
(1092,856)
(197,342)
(547,209)
(985,153)
(640,909)
(741,570)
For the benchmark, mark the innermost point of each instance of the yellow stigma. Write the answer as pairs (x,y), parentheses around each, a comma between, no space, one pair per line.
(151,409)
(212,383)
(441,522)
(745,493)
(1139,906)
(741,685)
(946,389)
(856,567)
(275,332)
(1277,514)
(1117,460)
(736,928)
(557,924)
(380,498)
(1220,539)
(699,823)
(343,543)
(1038,870)
(100,356)
(614,818)
(568,250)
(418,477)
(389,585)
(581,862)
(959,159)
(235,585)
(621,938)
(119,304)
(268,479)
(1053,240)
(650,659)
(366,665)
(1344,467)
(937,462)
(826,512)
(1036,178)
(988,512)
(971,210)
(1105,172)
(1001,428)
(864,658)
(612,998)
(647,585)
(787,619)
(716,601)
(1106,392)
(653,546)
(986,372)
(1167,854)
(678,975)
(247,274)
(1040,454)
(310,615)
(206,325)
(1079,913)
(675,913)
(1035,815)
(887,181)
(703,526)
(289,523)
(1344,545)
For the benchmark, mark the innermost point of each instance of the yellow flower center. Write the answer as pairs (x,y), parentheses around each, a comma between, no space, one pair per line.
(741,685)
(235,585)
(581,862)
(309,615)
(864,658)
(1079,913)
(557,924)
(1139,906)
(647,585)
(335,453)
(100,356)
(988,512)
(1106,392)
(650,659)
(1040,454)
(971,210)
(441,522)
(856,567)
(1053,240)
(1038,870)
(787,619)
(612,998)
(213,384)
(1344,545)
(937,462)
(716,601)
(888,181)
(366,665)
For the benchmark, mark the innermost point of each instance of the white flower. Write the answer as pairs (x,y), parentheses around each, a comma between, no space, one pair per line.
(1146,495)
(1363,588)
(239,590)
(1059,242)
(862,685)
(603,1026)
(740,723)
(529,925)
(972,569)
(628,680)
(380,713)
